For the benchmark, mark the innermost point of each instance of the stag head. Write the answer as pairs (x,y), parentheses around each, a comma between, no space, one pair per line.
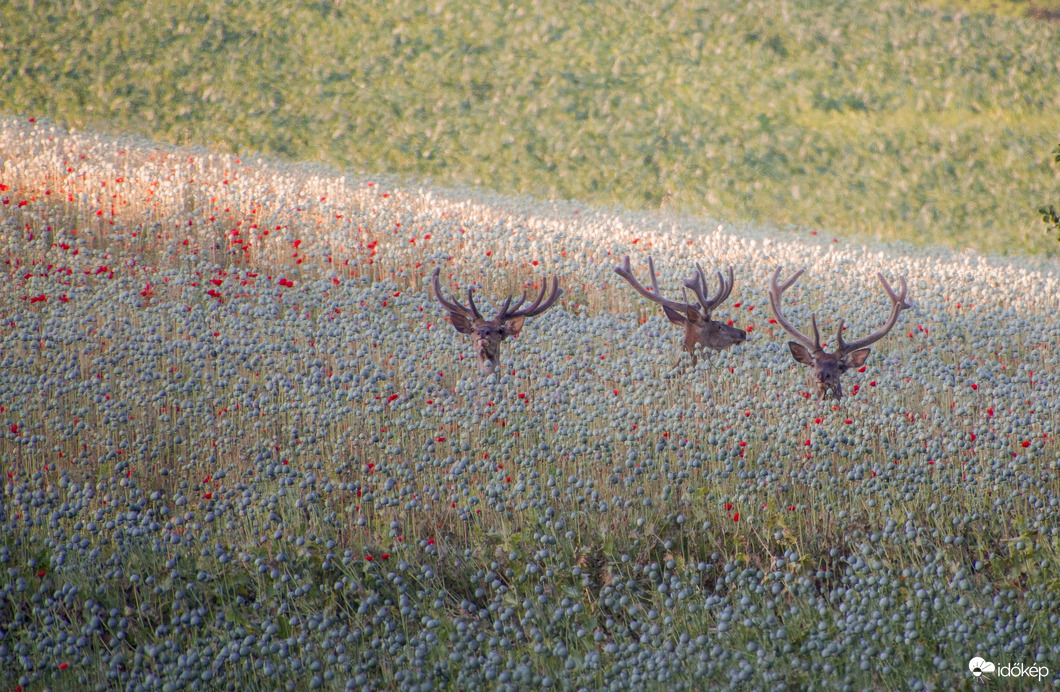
(829,367)
(699,327)
(487,335)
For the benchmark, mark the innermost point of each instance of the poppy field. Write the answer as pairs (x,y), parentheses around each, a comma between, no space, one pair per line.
(244,448)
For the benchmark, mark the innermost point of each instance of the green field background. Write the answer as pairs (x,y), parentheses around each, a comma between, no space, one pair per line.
(923,123)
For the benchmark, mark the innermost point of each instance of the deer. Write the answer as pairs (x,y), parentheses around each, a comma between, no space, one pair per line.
(487,335)
(829,367)
(700,328)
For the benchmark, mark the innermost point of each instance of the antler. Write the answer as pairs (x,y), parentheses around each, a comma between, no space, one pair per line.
(536,308)
(897,305)
(775,292)
(656,297)
(507,310)
(698,283)
(454,306)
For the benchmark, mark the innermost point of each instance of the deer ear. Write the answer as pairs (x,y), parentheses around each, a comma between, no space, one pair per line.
(693,315)
(462,323)
(512,327)
(856,359)
(674,316)
(800,353)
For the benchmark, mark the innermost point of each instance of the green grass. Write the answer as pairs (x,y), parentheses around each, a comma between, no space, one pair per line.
(905,121)
(1035,9)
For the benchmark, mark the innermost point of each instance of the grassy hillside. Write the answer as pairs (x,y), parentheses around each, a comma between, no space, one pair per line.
(910,122)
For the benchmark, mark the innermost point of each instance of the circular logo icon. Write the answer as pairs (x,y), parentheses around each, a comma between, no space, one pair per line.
(980,666)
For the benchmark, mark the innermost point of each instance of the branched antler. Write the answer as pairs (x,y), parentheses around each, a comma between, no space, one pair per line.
(655,295)
(775,292)
(698,283)
(536,308)
(897,305)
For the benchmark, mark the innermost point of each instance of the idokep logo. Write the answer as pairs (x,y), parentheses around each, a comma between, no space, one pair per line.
(981,668)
